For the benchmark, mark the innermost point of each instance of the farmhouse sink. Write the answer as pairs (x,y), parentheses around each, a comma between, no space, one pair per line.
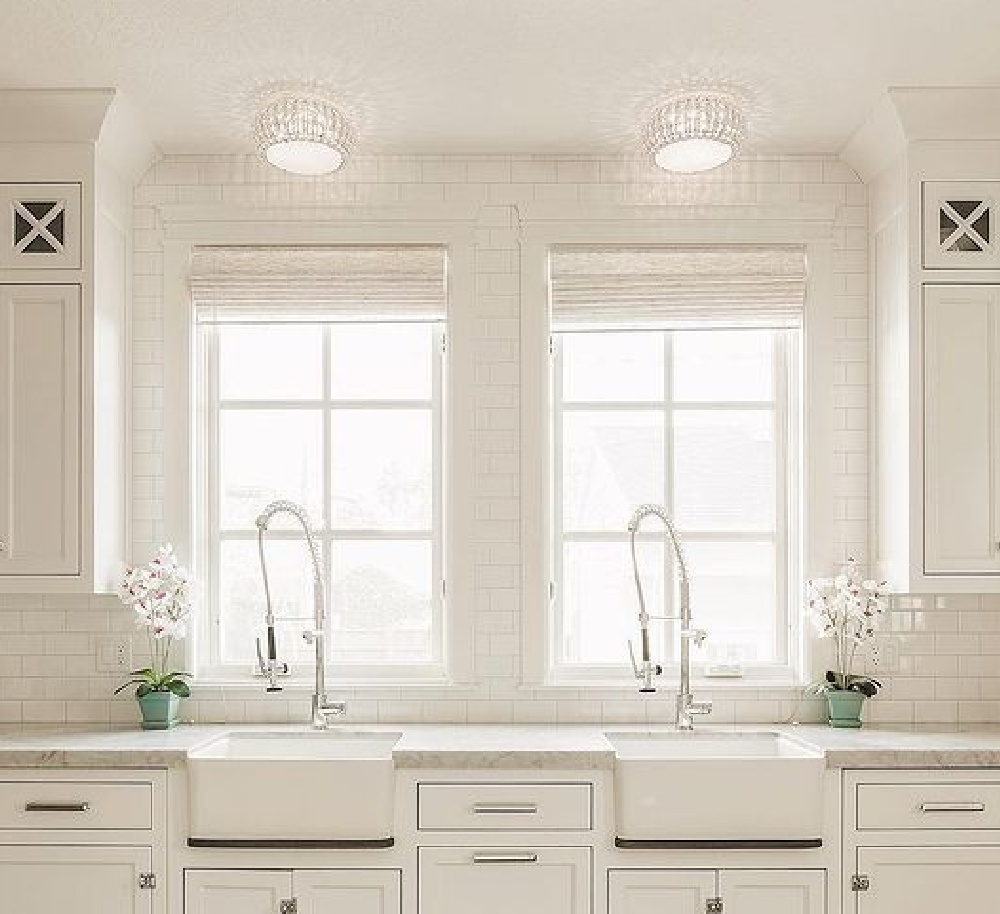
(304,789)
(747,788)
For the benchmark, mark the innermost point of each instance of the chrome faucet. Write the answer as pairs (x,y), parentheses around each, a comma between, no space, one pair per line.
(323,710)
(646,669)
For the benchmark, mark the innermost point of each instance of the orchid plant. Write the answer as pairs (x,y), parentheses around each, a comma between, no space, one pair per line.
(846,609)
(160,596)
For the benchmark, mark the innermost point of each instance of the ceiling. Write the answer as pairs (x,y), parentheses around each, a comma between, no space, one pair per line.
(499,76)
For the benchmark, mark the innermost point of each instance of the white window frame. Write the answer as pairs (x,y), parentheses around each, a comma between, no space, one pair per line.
(210,536)
(786,537)
(547,227)
(451,226)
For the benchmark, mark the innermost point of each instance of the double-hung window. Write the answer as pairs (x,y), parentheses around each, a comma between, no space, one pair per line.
(675,381)
(319,380)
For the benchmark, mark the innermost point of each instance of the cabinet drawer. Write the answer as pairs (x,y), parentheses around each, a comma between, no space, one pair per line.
(504,807)
(928,806)
(75,805)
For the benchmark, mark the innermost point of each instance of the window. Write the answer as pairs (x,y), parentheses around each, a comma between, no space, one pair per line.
(699,414)
(345,418)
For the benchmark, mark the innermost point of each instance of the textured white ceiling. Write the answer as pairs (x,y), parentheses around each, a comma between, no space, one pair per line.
(482,76)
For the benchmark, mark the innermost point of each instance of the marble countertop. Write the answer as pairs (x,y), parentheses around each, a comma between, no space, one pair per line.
(489,746)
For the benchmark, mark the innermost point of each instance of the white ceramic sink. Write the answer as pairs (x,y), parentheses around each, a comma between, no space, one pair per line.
(705,786)
(310,786)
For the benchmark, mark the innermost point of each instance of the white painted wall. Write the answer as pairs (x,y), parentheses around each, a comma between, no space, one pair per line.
(947,661)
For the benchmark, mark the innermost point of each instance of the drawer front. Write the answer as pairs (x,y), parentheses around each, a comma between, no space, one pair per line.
(75,805)
(928,806)
(504,807)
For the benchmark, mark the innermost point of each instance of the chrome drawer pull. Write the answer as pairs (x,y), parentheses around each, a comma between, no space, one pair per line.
(56,807)
(519,809)
(953,807)
(505,858)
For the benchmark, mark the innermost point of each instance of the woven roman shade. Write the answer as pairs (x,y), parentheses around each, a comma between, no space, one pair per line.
(345,283)
(738,286)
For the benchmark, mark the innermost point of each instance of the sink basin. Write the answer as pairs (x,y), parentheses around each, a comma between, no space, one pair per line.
(329,786)
(704,786)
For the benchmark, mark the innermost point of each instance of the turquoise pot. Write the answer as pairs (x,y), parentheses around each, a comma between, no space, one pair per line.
(845,709)
(159,710)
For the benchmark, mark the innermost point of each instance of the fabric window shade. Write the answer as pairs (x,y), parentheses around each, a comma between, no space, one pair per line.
(677,287)
(335,283)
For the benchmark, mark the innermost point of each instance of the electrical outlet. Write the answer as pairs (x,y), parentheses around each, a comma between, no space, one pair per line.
(113,654)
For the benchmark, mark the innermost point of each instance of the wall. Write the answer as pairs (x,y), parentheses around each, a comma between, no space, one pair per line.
(943,654)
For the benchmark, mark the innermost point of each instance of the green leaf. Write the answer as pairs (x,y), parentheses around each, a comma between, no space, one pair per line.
(144,690)
(125,685)
(179,688)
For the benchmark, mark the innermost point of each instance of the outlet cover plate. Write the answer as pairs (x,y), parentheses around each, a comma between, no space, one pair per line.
(113,654)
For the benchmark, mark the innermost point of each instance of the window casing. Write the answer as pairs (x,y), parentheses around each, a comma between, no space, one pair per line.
(347,419)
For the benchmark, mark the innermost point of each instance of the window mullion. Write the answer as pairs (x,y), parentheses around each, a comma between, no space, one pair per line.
(669,484)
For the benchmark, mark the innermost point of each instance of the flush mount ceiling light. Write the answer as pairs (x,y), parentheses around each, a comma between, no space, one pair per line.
(302,133)
(695,131)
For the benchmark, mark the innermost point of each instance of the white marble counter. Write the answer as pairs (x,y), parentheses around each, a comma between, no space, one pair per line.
(489,746)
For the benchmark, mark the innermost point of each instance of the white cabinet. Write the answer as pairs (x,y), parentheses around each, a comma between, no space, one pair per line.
(45,879)
(659,891)
(335,891)
(497,880)
(927,880)
(40,414)
(960,225)
(668,891)
(961,381)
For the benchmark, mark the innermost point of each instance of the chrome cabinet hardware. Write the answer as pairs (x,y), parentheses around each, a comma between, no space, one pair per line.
(713,906)
(288,906)
(147,881)
(518,809)
(953,807)
(860,883)
(505,858)
(56,807)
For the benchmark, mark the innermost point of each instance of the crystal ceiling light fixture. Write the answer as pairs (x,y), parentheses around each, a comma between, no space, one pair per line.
(695,131)
(302,133)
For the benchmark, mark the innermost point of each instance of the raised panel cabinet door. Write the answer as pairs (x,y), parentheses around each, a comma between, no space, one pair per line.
(40,427)
(50,879)
(928,880)
(660,891)
(773,891)
(960,374)
(346,891)
(236,891)
(496,880)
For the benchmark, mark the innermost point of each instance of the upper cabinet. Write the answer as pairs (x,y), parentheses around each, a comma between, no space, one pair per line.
(67,167)
(960,225)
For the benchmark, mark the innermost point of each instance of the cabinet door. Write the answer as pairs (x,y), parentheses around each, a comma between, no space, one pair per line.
(40,449)
(341,891)
(555,880)
(236,891)
(928,880)
(660,891)
(773,891)
(961,432)
(47,879)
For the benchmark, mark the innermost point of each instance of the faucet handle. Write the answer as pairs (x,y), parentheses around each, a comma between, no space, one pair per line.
(697,635)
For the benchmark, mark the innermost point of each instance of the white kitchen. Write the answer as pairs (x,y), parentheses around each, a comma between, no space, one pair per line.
(474,457)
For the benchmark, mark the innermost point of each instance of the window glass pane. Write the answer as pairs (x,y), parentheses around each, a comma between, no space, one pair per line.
(724,470)
(600,608)
(270,362)
(381,605)
(723,365)
(381,361)
(733,597)
(380,470)
(604,366)
(242,604)
(265,455)
(613,460)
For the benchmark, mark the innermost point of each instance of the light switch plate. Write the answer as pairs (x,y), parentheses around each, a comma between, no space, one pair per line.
(113,654)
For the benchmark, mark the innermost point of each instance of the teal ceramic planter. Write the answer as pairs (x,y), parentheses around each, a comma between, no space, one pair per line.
(845,709)
(159,710)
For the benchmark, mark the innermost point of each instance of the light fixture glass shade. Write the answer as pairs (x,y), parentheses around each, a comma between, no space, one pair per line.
(695,132)
(302,134)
